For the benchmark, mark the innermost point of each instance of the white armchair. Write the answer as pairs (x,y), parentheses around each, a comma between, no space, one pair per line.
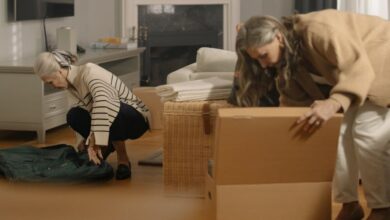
(209,62)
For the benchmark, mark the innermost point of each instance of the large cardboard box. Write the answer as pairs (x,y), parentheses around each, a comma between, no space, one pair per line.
(149,96)
(263,168)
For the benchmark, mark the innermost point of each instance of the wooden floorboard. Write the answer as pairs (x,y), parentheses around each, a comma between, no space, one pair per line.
(141,198)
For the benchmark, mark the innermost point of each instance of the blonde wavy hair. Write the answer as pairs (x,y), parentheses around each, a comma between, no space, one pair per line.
(255,81)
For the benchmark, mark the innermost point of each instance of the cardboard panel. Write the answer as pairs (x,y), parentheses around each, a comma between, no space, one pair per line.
(303,201)
(211,197)
(149,96)
(259,145)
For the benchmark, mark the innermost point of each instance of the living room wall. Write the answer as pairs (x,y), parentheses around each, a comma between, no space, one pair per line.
(93,19)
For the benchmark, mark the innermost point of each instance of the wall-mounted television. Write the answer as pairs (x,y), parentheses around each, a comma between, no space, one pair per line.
(19,10)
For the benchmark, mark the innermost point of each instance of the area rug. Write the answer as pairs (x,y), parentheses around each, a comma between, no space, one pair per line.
(155,159)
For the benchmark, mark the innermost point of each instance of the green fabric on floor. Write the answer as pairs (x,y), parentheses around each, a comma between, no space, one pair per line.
(58,163)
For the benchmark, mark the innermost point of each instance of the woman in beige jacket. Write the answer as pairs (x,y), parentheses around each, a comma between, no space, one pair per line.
(332,61)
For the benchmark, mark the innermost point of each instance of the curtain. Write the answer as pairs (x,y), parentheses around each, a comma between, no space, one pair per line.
(304,6)
(371,7)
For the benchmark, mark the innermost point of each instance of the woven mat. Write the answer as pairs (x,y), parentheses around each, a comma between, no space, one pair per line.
(155,159)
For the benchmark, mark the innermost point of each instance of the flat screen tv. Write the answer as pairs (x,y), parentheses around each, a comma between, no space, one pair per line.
(19,10)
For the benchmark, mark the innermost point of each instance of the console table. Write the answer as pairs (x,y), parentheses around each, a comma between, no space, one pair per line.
(27,104)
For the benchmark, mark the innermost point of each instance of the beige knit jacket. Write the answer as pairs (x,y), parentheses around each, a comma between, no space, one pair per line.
(351,51)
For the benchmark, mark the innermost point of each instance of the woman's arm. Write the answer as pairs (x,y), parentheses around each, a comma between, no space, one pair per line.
(335,48)
(94,151)
(332,48)
(105,107)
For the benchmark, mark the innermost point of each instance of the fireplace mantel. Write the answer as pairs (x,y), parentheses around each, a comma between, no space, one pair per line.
(129,15)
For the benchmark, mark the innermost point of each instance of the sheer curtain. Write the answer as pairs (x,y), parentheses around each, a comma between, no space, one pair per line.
(371,7)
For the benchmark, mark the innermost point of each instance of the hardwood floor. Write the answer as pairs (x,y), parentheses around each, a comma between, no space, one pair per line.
(141,198)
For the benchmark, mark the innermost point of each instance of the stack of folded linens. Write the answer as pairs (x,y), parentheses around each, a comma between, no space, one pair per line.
(204,89)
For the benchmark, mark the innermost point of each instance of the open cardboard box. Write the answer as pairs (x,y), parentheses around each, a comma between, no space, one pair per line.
(149,96)
(263,168)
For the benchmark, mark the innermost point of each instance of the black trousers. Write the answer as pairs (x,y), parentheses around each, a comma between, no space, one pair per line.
(128,124)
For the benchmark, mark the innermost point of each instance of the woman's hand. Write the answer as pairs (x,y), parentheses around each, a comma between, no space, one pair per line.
(320,112)
(94,151)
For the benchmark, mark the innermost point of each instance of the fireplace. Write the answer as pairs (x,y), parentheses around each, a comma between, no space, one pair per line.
(179,49)
(171,35)
(171,31)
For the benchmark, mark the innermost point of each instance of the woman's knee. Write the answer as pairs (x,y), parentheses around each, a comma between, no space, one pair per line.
(367,137)
(129,124)
(139,131)
(79,120)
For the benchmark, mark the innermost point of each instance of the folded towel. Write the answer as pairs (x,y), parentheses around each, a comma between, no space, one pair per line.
(215,94)
(203,89)
(194,85)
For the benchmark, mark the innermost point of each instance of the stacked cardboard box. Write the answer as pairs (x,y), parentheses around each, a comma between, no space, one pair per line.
(265,168)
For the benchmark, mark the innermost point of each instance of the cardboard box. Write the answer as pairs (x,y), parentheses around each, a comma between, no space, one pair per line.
(149,96)
(276,201)
(263,168)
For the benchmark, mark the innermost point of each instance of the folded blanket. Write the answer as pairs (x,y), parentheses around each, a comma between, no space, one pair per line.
(203,89)
(223,94)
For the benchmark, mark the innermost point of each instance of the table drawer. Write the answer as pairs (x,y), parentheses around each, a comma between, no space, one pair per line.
(54,105)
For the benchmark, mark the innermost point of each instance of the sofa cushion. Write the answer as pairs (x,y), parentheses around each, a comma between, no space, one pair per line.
(215,60)
(181,75)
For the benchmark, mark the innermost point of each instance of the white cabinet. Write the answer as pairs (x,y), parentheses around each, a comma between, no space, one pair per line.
(26,103)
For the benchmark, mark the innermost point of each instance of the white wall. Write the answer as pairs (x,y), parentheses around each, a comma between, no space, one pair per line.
(276,8)
(93,19)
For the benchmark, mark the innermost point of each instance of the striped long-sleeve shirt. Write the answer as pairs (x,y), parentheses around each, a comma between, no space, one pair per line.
(100,92)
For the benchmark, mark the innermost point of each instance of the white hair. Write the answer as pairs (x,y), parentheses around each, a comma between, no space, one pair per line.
(46,64)
(50,62)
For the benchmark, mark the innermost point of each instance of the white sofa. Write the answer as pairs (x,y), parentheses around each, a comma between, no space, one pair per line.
(209,62)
